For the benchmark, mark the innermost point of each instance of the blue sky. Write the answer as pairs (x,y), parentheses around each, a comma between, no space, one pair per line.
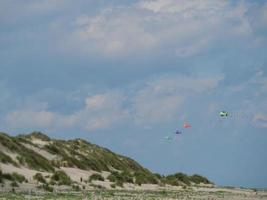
(125,74)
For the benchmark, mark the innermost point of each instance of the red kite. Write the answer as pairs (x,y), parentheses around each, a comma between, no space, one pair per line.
(187,125)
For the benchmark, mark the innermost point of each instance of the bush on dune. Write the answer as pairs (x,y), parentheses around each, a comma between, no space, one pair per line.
(96,177)
(61,178)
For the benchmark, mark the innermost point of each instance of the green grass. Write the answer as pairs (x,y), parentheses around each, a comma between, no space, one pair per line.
(84,155)
(61,178)
(100,194)
(96,177)
(39,177)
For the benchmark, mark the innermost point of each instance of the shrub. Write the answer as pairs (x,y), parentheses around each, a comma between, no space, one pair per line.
(18,177)
(114,176)
(14,184)
(1,176)
(96,177)
(39,177)
(124,177)
(183,178)
(61,178)
(127,177)
(143,178)
(119,183)
(51,148)
(176,179)
(46,187)
(199,179)
(76,187)
(8,176)
(6,159)
(35,161)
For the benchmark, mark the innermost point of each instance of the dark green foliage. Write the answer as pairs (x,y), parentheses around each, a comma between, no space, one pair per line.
(96,177)
(7,141)
(177,179)
(76,187)
(18,177)
(119,183)
(38,135)
(6,159)
(180,178)
(61,178)
(120,177)
(199,179)
(26,156)
(51,148)
(20,159)
(35,161)
(39,177)
(46,187)
(13,177)
(127,177)
(115,176)
(1,176)
(158,176)
(183,178)
(8,176)
(14,184)
(143,178)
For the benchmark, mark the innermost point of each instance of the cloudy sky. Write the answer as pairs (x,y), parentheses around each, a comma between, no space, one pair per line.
(126,73)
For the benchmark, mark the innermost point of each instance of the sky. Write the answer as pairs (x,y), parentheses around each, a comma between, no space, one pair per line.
(125,74)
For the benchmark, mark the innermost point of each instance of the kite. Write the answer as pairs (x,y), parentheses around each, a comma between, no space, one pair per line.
(178,132)
(223,114)
(187,125)
(168,138)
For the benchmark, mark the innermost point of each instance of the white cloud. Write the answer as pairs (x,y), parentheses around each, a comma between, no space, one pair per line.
(260,120)
(104,110)
(96,101)
(29,118)
(112,34)
(156,101)
(191,8)
(185,28)
(162,97)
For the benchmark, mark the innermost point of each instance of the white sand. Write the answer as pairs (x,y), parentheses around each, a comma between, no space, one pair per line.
(28,173)
(40,151)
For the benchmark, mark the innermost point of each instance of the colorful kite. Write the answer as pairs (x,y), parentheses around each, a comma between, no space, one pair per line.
(223,114)
(187,125)
(168,138)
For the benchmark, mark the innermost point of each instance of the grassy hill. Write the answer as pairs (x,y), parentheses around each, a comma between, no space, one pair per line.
(51,161)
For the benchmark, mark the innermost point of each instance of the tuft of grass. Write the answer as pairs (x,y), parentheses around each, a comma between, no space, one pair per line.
(14,184)
(18,177)
(61,178)
(39,177)
(96,177)
(46,187)
(6,159)
(199,179)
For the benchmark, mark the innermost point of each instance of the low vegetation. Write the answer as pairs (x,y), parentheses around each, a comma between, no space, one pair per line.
(96,177)
(61,178)
(15,177)
(39,177)
(79,154)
